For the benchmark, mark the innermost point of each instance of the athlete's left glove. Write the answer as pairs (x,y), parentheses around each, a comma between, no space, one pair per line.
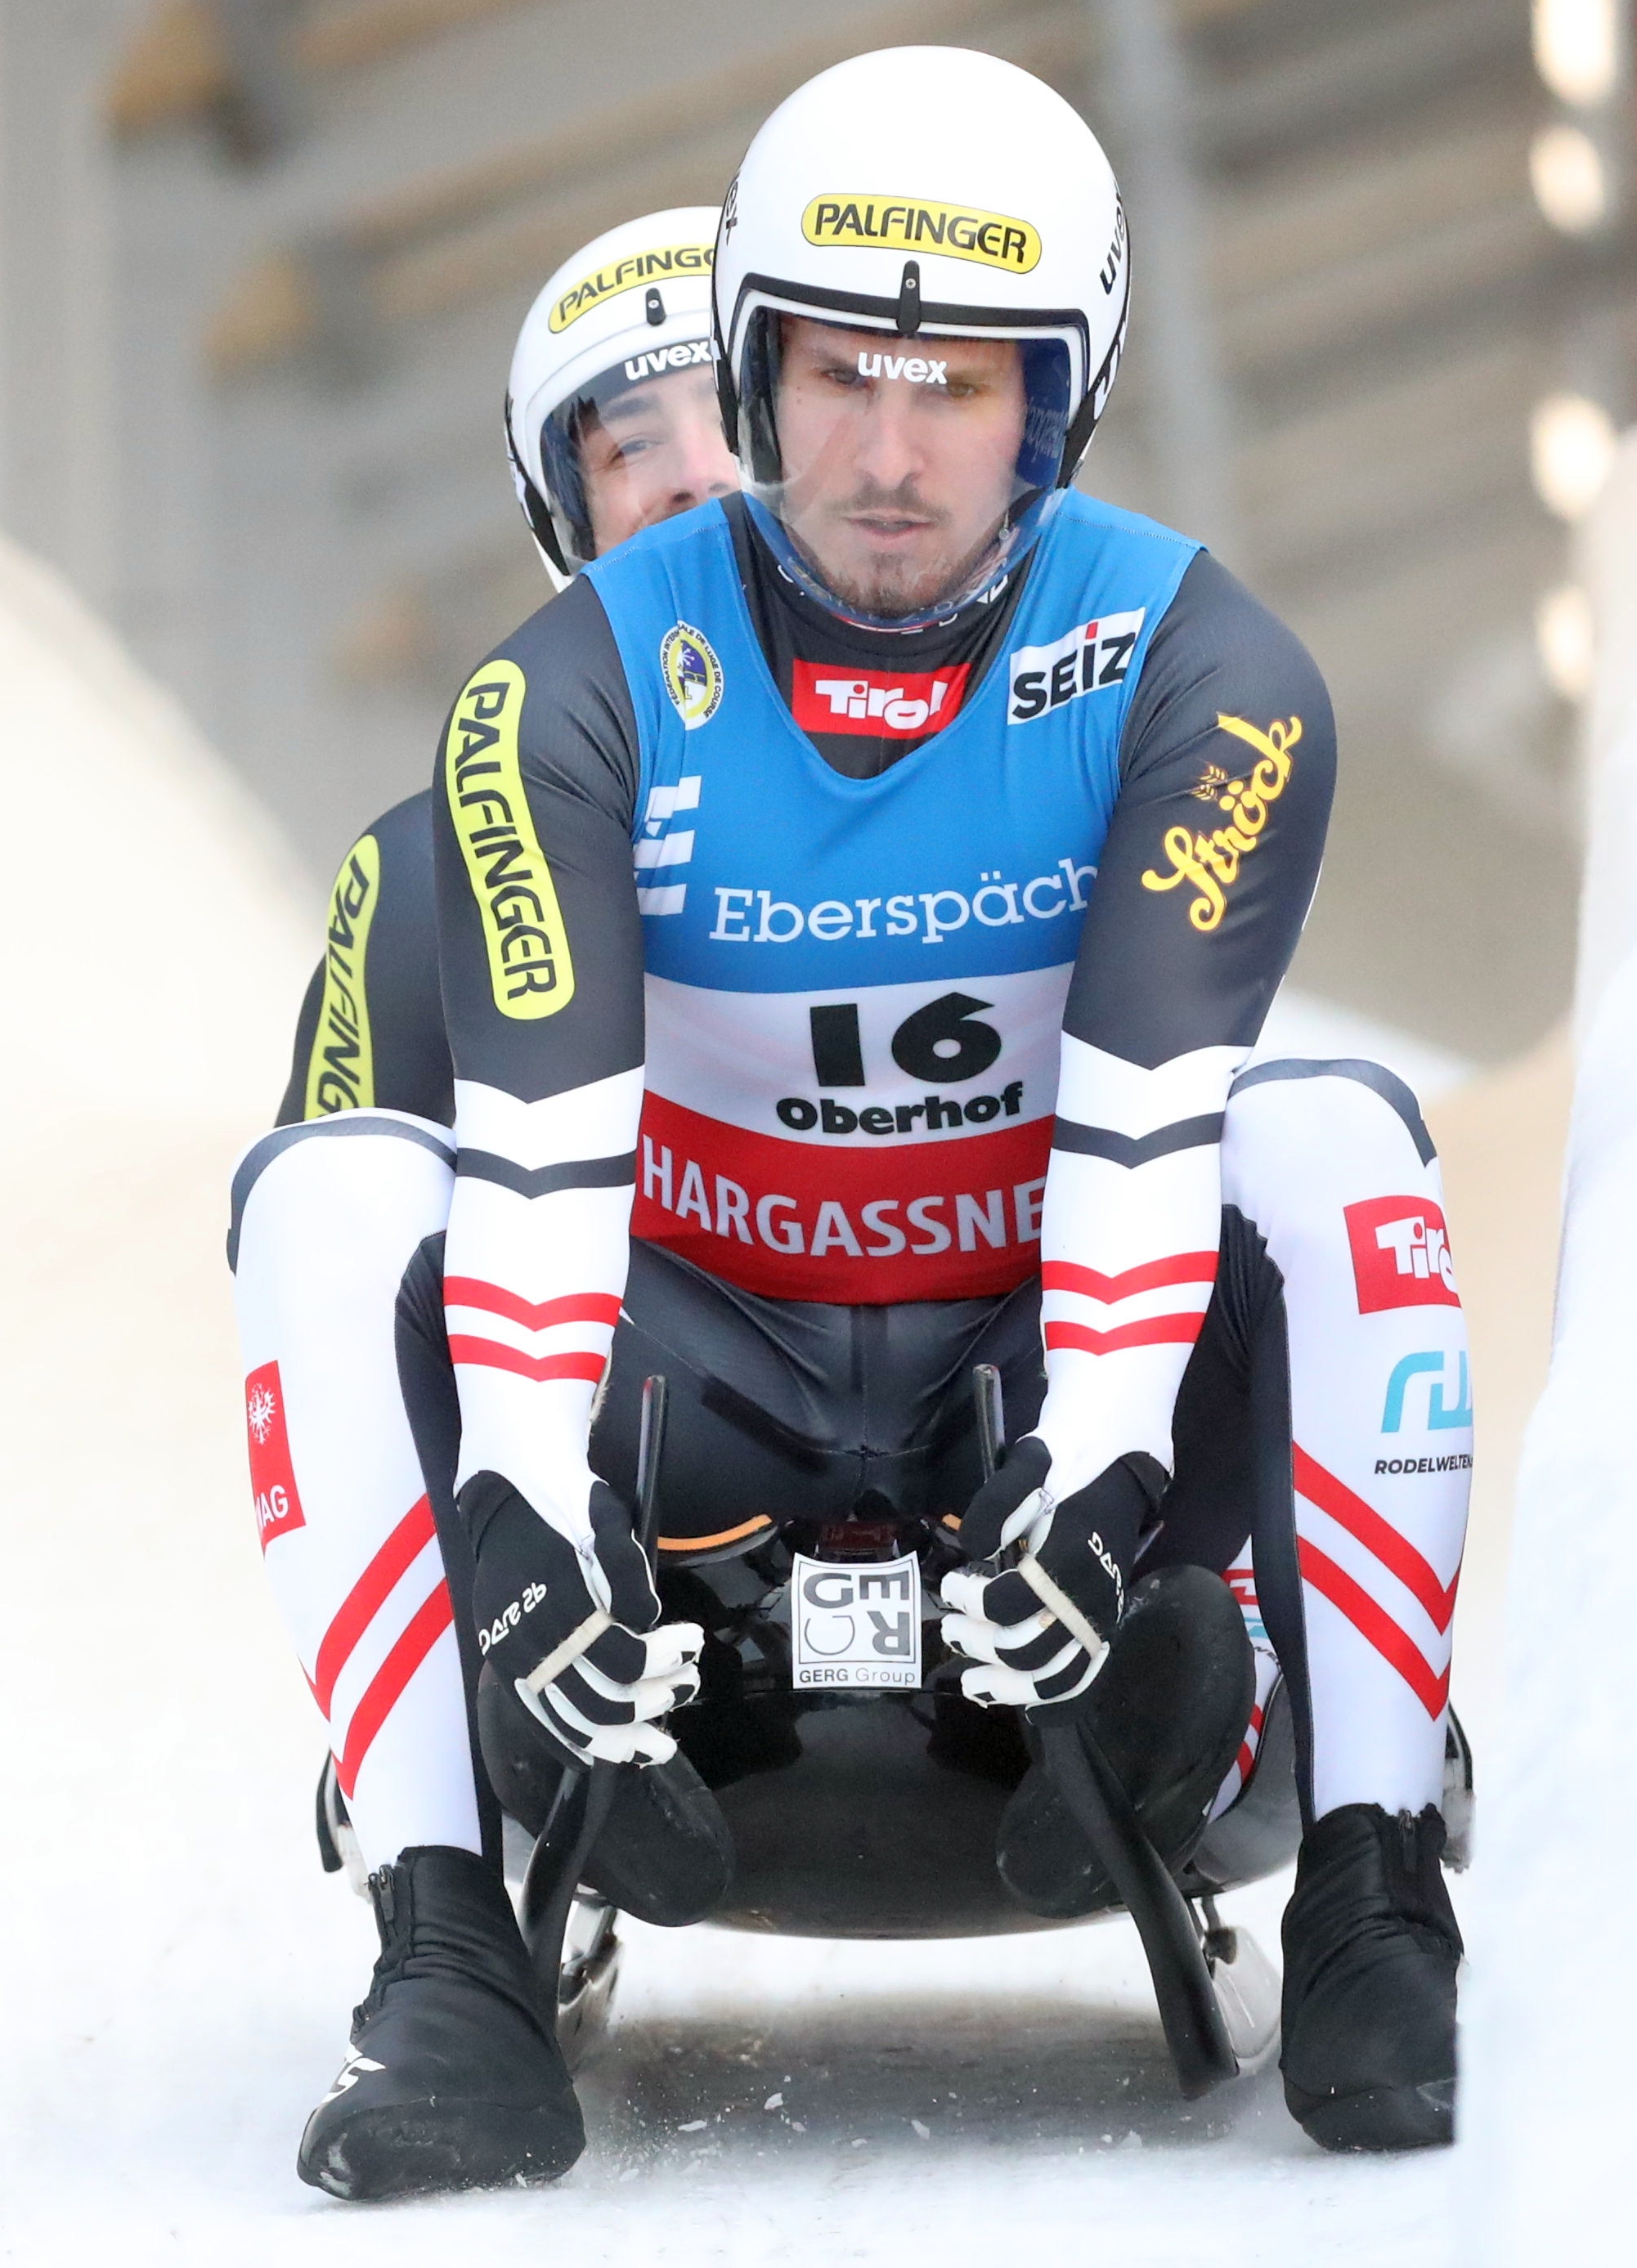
(575,1629)
(1039,1629)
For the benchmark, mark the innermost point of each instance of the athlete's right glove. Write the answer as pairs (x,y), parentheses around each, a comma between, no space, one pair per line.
(576,1630)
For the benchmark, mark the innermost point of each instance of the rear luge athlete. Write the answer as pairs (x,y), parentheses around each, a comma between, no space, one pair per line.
(858,904)
(611,424)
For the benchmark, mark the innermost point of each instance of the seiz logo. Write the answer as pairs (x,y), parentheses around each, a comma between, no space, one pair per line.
(1400,1254)
(1092,656)
(897,705)
(272,1475)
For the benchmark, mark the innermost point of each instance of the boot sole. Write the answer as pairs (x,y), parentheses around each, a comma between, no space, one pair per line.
(417,2149)
(1377,2117)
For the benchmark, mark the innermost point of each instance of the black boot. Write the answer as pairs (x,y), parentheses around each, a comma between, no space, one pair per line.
(1169,1711)
(455,2080)
(1371,1947)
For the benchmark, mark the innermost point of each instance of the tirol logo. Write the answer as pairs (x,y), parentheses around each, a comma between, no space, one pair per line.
(896,704)
(692,675)
(1210,863)
(888,225)
(1092,656)
(1400,1254)
(272,1477)
(625,275)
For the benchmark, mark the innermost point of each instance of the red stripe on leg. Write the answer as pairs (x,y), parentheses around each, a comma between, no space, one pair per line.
(414,1532)
(1376,1626)
(1151,1275)
(425,1627)
(1154,1330)
(489,1354)
(1396,1552)
(495,1299)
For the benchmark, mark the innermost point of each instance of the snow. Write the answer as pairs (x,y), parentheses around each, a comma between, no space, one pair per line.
(179,1971)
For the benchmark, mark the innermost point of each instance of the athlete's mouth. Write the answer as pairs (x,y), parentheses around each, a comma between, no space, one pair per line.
(885,528)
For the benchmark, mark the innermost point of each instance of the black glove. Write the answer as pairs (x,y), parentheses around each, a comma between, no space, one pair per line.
(575,1631)
(1039,1629)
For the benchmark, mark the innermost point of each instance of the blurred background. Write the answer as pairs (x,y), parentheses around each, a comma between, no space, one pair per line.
(262,264)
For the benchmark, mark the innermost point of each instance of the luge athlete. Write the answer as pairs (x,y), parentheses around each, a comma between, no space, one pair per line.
(857,905)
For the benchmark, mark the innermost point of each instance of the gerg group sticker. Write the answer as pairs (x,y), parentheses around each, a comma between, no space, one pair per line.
(692,675)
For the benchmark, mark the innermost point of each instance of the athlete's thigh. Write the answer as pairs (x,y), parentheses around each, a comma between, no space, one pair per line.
(756,1404)
(1230,1431)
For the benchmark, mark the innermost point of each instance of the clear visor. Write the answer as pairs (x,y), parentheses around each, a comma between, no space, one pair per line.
(900,477)
(638,442)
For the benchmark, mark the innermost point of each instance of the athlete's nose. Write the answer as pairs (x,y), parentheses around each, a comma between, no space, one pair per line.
(699,466)
(888,453)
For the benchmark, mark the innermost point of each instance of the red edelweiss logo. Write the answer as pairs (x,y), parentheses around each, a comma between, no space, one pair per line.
(1400,1254)
(272,1477)
(901,705)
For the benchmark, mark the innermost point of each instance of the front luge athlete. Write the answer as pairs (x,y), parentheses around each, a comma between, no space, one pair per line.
(858,902)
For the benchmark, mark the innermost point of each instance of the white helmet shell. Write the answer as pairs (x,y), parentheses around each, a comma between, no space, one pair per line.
(640,289)
(926,191)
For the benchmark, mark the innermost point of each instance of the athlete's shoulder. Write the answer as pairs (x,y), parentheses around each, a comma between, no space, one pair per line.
(1089,518)
(705,527)
(404,828)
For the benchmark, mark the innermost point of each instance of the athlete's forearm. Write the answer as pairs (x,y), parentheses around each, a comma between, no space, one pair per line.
(1207,873)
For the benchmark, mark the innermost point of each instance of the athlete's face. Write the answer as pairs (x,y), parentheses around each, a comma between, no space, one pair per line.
(894,486)
(652,452)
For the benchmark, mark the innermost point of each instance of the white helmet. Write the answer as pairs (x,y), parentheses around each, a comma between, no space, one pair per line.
(631,305)
(929,193)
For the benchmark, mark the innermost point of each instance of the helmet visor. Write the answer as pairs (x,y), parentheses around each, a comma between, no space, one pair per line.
(902,475)
(637,443)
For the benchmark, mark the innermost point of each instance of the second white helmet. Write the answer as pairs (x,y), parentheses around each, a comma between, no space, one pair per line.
(632,305)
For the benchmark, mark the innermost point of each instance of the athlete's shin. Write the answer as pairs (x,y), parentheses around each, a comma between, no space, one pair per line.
(1333,1165)
(327,1218)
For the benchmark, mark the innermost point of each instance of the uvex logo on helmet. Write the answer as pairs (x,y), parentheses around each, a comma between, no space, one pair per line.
(891,224)
(625,275)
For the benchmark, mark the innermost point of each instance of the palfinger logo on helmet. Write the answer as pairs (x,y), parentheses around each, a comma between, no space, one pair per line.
(625,275)
(611,397)
(692,675)
(994,239)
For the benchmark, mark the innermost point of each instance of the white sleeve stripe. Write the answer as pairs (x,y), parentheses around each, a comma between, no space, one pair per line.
(1095,1088)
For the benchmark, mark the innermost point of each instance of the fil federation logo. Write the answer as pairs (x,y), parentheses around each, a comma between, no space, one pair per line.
(692,675)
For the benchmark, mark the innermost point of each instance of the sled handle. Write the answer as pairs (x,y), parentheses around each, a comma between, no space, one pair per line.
(584,1798)
(991,1432)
